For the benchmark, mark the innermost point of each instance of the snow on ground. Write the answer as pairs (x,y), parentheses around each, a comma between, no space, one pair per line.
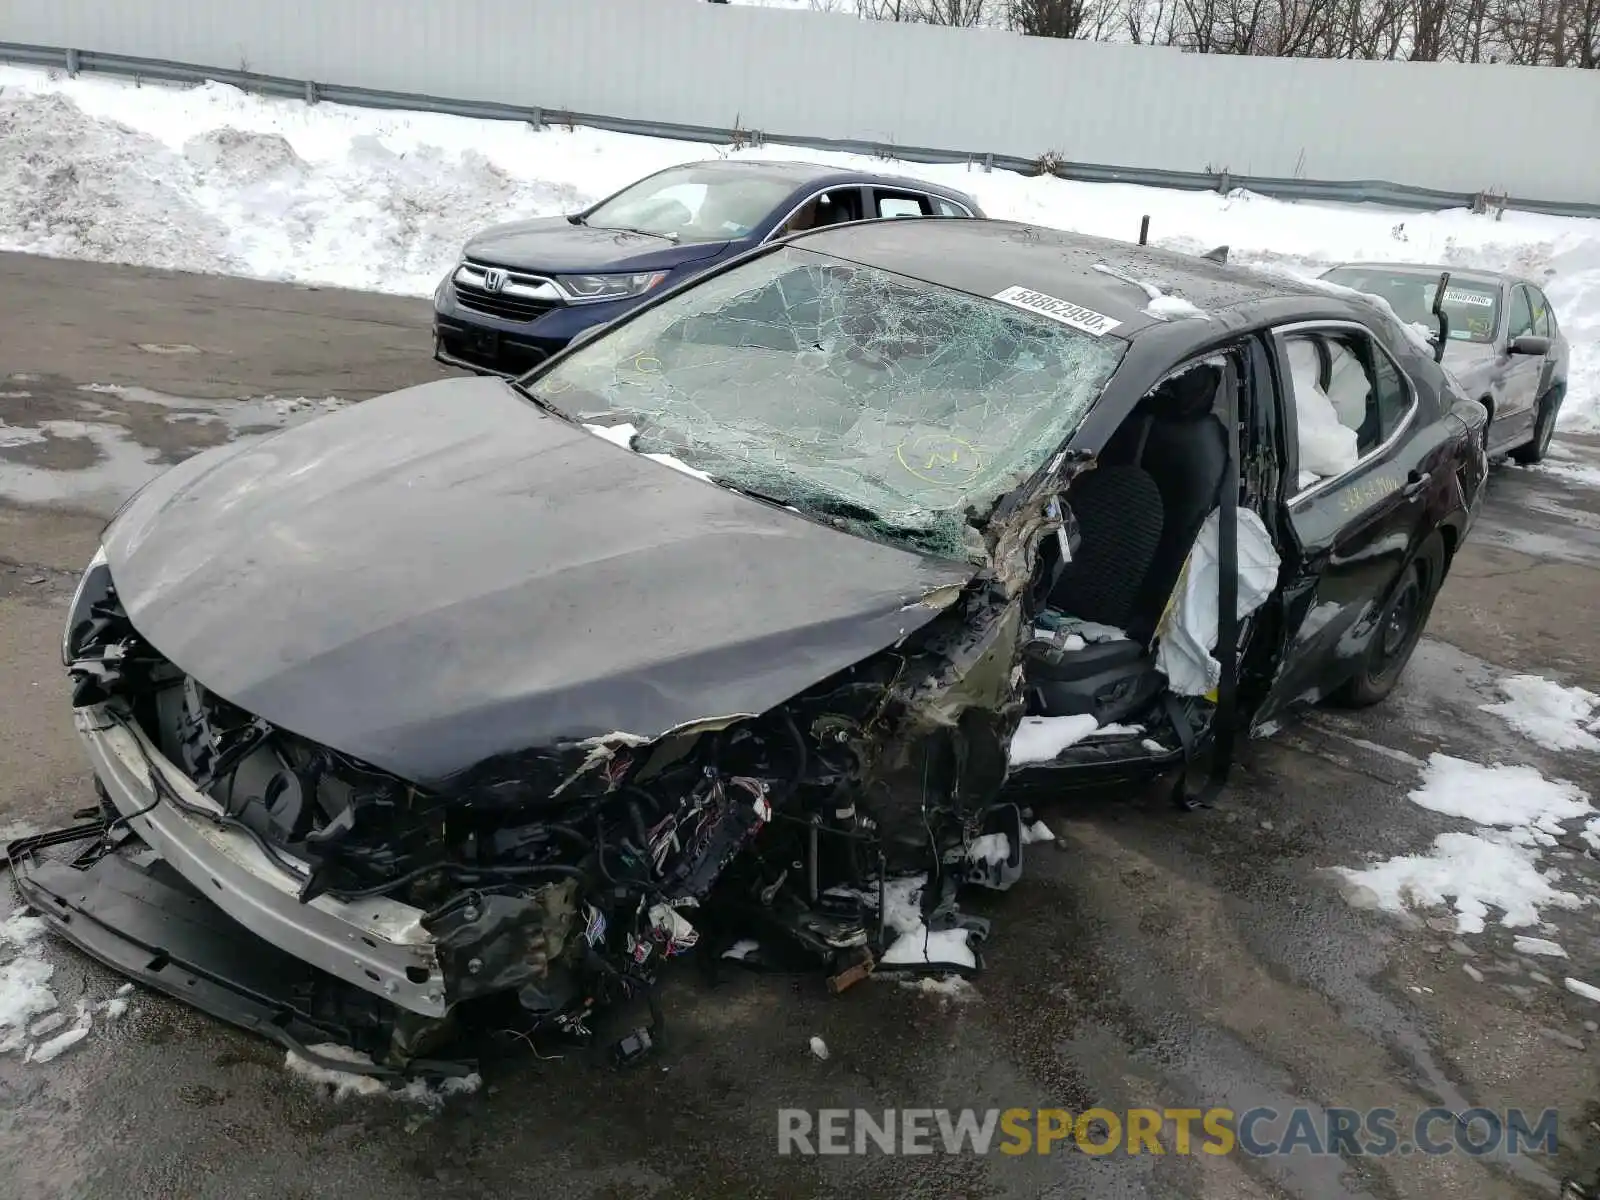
(1560,718)
(25,976)
(210,178)
(915,945)
(344,1085)
(30,1017)
(1497,865)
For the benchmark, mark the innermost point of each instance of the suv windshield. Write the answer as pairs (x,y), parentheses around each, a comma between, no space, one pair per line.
(897,406)
(695,204)
(1473,308)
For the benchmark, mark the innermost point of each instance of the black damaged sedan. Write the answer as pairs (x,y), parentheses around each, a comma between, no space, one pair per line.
(799,583)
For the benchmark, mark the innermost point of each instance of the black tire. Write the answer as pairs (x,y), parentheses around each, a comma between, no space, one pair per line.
(1544,428)
(1399,629)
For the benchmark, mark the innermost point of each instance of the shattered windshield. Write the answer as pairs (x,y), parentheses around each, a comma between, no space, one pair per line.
(895,406)
(1473,308)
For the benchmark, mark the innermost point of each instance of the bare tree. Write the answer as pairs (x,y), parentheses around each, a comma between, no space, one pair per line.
(1089,19)
(1559,33)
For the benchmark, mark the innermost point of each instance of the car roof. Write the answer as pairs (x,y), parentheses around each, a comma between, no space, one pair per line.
(1468,274)
(986,257)
(822,175)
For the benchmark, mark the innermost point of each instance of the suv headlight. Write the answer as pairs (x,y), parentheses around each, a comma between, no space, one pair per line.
(584,289)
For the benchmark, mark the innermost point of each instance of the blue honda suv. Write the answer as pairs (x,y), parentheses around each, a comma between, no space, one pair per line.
(523,290)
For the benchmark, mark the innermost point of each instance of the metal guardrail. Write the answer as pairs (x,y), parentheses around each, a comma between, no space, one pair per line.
(1362,191)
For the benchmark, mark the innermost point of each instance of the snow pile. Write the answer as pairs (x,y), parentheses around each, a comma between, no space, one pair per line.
(1561,718)
(343,1085)
(53,1048)
(945,987)
(624,434)
(915,945)
(1160,305)
(24,982)
(211,178)
(1041,739)
(1497,865)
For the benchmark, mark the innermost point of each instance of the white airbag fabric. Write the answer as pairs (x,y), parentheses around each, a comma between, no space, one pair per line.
(1188,630)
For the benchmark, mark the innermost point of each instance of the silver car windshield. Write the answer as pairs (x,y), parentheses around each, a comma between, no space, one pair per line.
(903,409)
(1472,308)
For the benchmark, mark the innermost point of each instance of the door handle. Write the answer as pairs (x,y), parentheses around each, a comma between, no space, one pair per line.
(1416,481)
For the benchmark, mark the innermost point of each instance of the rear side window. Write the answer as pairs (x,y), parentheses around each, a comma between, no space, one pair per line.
(949,208)
(1521,313)
(1543,323)
(902,204)
(1349,398)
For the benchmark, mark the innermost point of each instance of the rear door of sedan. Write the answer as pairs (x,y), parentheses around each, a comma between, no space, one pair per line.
(1513,422)
(1353,529)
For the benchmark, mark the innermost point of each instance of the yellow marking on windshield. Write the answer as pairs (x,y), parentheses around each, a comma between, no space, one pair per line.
(940,458)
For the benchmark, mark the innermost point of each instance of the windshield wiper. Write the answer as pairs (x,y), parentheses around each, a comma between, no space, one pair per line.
(671,237)
(539,401)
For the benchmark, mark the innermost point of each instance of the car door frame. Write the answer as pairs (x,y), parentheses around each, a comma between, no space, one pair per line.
(1350,533)
(1516,409)
(929,200)
(776,231)
(1551,356)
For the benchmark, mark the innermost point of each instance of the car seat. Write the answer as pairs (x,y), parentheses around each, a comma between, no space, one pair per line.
(1138,520)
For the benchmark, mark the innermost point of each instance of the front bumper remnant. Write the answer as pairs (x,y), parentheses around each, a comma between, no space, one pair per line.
(379,945)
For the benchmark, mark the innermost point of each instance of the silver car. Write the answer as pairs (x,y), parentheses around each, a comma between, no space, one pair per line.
(1503,344)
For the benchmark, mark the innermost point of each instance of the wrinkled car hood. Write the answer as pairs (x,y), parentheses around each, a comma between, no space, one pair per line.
(555,244)
(447,573)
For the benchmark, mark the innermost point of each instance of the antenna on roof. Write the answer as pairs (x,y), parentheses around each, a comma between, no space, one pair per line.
(1144,230)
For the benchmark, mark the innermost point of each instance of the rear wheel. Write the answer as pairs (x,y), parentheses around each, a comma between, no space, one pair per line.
(1399,628)
(1544,428)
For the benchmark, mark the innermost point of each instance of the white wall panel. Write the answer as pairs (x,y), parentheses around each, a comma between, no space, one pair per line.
(1534,132)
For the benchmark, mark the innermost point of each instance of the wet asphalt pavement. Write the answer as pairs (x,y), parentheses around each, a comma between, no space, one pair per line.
(1149,958)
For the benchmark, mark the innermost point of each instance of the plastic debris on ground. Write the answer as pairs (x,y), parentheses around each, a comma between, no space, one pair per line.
(1557,717)
(1188,629)
(819,1047)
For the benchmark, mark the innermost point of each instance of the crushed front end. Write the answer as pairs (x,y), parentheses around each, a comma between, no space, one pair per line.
(565,876)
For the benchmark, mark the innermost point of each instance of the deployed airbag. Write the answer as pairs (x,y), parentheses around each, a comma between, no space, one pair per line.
(1187,632)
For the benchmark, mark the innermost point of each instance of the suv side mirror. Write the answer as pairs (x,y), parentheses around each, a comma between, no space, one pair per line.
(1529,343)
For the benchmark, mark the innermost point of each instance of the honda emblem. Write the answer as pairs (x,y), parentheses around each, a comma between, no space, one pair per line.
(493,279)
